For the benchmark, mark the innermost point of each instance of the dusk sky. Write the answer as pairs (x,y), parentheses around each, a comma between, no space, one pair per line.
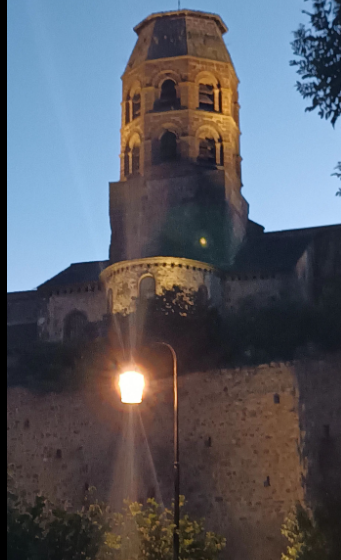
(65,60)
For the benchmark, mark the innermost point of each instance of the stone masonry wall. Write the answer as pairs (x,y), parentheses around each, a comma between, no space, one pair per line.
(242,458)
(123,279)
(90,300)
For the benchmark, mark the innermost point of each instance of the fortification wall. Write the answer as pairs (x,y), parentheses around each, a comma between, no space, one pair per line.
(241,449)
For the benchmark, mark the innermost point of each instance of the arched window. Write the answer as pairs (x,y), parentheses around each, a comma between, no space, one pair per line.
(206,97)
(74,326)
(168,92)
(207,150)
(132,108)
(147,288)
(127,109)
(168,146)
(168,97)
(209,146)
(127,162)
(131,164)
(135,160)
(209,93)
(136,105)
(110,301)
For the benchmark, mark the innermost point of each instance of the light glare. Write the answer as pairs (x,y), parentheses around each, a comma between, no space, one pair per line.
(131,385)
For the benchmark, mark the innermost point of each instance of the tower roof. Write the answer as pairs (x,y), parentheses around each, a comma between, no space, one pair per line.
(181,14)
(179,33)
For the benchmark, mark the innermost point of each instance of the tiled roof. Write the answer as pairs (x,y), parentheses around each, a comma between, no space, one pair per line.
(280,250)
(77,273)
(269,252)
(180,33)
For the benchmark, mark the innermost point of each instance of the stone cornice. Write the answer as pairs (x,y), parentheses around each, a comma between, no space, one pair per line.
(158,261)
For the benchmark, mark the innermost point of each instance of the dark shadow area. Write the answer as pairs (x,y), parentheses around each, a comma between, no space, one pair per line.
(319,391)
(194,219)
(280,331)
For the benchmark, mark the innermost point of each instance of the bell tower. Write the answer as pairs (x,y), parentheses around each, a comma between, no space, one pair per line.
(180,98)
(179,193)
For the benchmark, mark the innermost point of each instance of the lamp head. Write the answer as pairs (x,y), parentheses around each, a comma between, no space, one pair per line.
(131,384)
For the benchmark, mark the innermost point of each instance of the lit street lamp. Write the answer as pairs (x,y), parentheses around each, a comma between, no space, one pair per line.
(131,385)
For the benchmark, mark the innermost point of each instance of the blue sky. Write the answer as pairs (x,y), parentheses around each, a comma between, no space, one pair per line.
(65,59)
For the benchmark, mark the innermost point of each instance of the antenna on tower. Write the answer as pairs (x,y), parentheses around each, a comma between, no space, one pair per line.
(178,4)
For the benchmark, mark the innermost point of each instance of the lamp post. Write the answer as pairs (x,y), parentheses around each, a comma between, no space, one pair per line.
(131,385)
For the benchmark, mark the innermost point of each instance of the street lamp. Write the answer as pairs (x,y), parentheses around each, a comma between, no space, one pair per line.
(131,385)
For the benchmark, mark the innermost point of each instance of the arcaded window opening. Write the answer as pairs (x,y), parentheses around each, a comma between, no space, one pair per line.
(136,105)
(209,94)
(207,150)
(128,110)
(168,146)
(168,97)
(131,163)
(135,160)
(127,162)
(132,108)
(206,97)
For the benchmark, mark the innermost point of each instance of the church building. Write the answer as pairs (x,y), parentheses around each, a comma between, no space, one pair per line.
(253,439)
(177,213)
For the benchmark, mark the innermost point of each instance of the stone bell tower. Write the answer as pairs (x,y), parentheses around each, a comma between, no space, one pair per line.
(179,195)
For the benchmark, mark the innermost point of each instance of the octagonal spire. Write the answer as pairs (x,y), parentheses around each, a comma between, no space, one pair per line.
(179,33)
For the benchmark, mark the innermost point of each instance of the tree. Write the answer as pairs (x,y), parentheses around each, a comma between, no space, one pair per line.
(338,175)
(313,536)
(186,320)
(147,533)
(43,531)
(319,50)
(305,539)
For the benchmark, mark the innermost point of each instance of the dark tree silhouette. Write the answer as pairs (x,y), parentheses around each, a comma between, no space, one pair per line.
(318,47)
(338,174)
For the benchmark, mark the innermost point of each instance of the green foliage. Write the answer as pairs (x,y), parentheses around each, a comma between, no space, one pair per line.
(306,542)
(338,175)
(185,320)
(57,367)
(201,338)
(319,49)
(313,536)
(44,532)
(249,334)
(147,532)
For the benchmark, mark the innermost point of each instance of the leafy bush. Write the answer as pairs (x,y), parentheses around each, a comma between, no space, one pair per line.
(44,532)
(147,532)
(313,536)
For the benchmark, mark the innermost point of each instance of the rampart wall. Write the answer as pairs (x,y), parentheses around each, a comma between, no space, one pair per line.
(250,439)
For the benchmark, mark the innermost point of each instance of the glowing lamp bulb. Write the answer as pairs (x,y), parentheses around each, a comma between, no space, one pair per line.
(131,384)
(203,241)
